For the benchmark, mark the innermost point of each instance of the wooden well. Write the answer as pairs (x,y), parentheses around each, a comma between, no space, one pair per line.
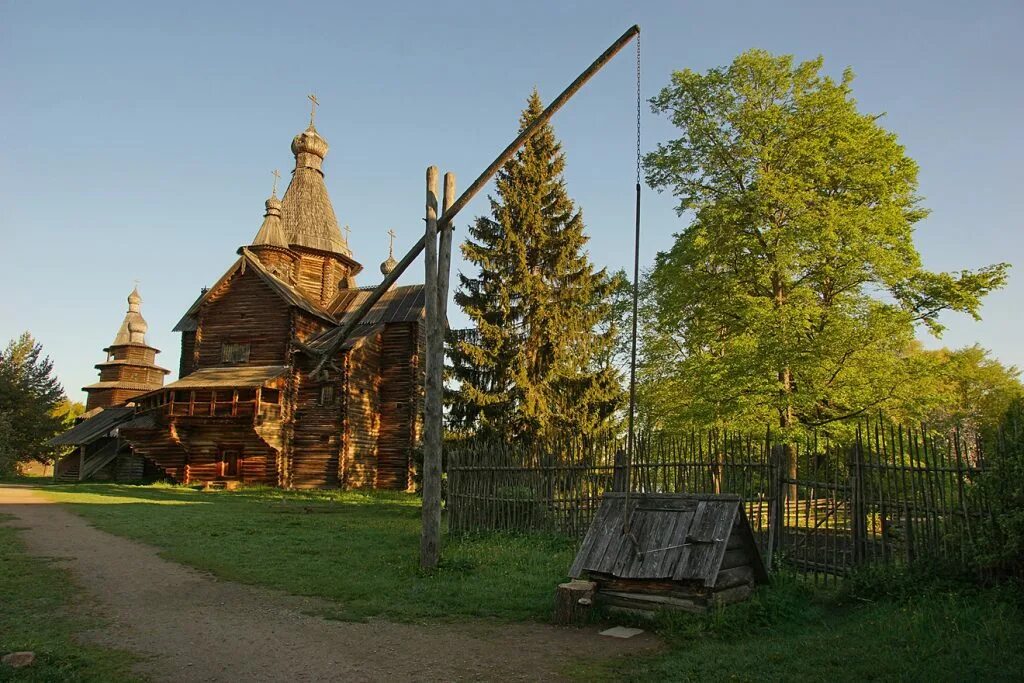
(689,552)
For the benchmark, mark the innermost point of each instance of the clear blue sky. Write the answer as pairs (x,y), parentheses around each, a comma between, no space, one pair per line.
(138,138)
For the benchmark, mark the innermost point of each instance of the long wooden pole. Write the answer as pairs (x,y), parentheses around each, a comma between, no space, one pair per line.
(472,190)
(430,535)
(433,441)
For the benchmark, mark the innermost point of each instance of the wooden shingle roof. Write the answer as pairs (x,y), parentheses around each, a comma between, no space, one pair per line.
(239,376)
(398,305)
(676,537)
(94,427)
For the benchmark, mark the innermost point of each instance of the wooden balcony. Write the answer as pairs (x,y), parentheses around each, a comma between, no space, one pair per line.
(247,403)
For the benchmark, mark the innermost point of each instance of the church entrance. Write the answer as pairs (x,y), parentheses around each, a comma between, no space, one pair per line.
(230,463)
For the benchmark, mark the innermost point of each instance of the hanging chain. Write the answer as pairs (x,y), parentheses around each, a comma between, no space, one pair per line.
(639,100)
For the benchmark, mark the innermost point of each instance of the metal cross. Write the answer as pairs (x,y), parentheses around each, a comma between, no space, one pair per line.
(348,233)
(312,114)
(391,246)
(277,176)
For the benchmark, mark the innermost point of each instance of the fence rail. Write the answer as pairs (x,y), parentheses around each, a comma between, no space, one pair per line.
(888,495)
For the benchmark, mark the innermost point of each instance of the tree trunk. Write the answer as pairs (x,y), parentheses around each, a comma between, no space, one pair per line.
(574,602)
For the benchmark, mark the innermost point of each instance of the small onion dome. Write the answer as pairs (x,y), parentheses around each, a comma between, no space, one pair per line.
(388,265)
(134,299)
(271,233)
(309,142)
(137,329)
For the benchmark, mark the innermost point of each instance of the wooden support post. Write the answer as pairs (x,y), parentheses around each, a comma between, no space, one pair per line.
(430,538)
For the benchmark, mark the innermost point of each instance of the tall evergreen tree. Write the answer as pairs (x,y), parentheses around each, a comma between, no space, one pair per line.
(29,393)
(539,360)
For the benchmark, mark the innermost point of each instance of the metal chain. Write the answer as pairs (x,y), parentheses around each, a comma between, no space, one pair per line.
(639,101)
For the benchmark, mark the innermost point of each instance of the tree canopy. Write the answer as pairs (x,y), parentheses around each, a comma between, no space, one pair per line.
(29,398)
(539,356)
(794,287)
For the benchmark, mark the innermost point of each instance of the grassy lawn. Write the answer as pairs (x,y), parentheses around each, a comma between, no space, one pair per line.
(361,550)
(34,597)
(357,549)
(788,632)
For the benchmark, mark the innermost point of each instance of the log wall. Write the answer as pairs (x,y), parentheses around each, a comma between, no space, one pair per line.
(316,442)
(245,311)
(399,386)
(188,349)
(204,444)
(362,413)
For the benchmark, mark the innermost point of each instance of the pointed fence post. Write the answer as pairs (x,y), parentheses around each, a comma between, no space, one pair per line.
(430,538)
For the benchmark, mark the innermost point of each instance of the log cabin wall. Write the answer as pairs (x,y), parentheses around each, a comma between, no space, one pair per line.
(317,441)
(398,405)
(132,373)
(362,413)
(246,311)
(188,349)
(159,444)
(205,443)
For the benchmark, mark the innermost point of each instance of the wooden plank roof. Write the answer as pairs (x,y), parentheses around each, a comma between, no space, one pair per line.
(677,537)
(398,305)
(239,376)
(94,427)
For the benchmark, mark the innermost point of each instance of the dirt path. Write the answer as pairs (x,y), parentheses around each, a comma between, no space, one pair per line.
(190,626)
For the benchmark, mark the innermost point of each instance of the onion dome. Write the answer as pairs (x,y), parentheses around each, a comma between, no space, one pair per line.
(309,148)
(388,265)
(133,329)
(271,233)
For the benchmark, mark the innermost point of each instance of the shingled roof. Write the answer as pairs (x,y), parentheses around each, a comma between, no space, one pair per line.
(307,215)
(94,427)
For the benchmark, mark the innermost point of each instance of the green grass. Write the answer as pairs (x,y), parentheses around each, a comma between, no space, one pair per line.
(359,550)
(35,597)
(789,632)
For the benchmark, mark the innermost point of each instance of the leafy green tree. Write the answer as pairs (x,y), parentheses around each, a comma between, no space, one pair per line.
(795,287)
(29,395)
(540,357)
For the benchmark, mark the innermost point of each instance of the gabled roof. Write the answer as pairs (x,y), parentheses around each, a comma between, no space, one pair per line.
(676,537)
(95,427)
(247,259)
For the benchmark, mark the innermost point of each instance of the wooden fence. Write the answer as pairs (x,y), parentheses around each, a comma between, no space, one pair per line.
(888,495)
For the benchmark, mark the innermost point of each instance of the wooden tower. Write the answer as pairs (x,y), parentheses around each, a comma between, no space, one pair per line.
(130,368)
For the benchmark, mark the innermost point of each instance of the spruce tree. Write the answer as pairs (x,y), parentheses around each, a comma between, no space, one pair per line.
(538,361)
(29,393)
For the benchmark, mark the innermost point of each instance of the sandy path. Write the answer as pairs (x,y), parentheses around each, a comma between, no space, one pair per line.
(190,626)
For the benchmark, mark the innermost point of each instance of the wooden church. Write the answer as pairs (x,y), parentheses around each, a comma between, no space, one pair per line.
(247,406)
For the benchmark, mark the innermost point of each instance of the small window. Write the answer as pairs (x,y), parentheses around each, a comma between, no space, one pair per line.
(234,353)
(270,395)
(327,395)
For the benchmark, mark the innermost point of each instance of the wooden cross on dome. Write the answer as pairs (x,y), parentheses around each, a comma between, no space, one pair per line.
(277,176)
(391,245)
(348,233)
(312,114)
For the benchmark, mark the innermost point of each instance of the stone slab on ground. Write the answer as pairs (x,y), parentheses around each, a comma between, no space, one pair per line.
(621,632)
